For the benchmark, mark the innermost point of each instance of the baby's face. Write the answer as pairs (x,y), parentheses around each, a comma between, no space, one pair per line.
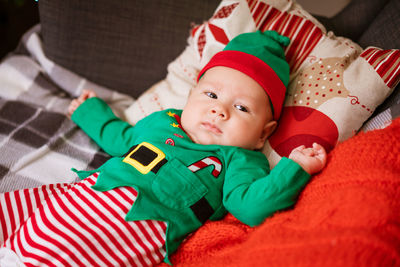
(229,108)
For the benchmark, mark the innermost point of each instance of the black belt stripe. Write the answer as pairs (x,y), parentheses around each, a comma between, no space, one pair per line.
(202,209)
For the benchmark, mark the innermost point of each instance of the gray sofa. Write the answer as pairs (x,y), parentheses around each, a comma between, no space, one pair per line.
(123,45)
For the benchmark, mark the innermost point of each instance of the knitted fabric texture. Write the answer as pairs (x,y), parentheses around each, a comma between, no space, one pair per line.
(348,215)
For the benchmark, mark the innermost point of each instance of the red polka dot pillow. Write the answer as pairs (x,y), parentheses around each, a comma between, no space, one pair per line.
(334,86)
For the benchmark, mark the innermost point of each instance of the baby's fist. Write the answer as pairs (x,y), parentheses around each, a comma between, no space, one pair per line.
(78,101)
(312,159)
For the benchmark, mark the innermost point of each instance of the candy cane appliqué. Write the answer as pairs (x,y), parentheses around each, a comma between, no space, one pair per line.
(207,162)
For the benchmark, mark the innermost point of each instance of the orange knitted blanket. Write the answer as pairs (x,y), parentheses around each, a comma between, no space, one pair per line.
(348,215)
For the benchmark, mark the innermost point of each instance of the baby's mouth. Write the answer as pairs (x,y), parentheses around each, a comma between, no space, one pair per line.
(211,127)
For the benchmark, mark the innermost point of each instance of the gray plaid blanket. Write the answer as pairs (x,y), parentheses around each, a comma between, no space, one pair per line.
(39,144)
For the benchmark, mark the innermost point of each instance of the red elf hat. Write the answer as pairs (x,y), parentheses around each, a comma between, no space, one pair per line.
(261,56)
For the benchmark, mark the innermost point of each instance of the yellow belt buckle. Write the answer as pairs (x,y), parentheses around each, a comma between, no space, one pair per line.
(144,169)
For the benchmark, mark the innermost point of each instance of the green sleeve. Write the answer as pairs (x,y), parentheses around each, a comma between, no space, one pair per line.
(97,120)
(250,198)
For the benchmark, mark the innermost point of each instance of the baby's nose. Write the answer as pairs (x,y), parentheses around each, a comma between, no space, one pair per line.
(220,111)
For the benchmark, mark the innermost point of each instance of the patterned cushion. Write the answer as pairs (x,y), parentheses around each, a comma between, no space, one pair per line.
(334,87)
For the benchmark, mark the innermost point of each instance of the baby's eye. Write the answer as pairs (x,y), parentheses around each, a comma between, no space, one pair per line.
(211,95)
(241,108)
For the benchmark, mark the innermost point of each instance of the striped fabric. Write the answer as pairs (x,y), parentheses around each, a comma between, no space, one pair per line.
(385,62)
(204,163)
(77,226)
(304,34)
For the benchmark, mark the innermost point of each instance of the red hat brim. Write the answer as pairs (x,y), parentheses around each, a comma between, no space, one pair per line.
(257,69)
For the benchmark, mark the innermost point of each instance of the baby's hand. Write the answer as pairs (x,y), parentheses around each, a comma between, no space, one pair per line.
(78,101)
(312,160)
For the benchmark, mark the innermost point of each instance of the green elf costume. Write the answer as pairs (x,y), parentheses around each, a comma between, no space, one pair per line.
(183,183)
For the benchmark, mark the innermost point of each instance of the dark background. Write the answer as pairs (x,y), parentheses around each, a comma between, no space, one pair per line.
(16,17)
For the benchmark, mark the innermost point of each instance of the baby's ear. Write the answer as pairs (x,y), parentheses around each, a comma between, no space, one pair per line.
(269,128)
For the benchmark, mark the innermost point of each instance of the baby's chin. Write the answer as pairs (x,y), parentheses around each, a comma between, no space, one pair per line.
(203,139)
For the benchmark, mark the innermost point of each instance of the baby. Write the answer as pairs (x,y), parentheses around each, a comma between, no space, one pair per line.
(173,170)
